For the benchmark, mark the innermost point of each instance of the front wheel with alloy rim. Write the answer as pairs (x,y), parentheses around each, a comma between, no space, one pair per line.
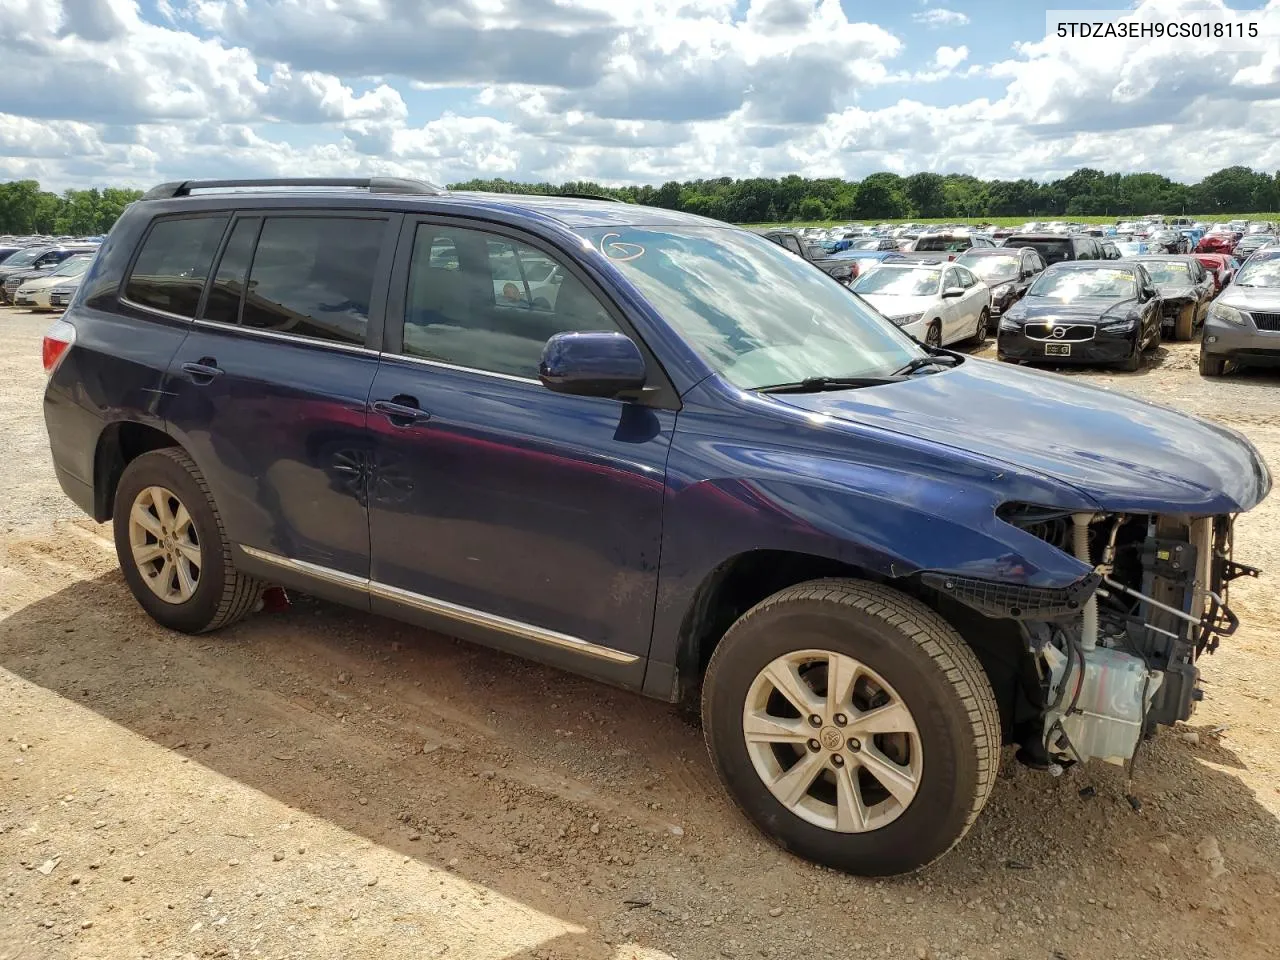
(853,725)
(933,336)
(172,548)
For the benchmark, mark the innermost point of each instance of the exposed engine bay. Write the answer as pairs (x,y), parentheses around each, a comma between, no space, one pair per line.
(1113,666)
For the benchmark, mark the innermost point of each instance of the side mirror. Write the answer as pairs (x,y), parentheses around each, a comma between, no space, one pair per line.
(594,364)
(951,292)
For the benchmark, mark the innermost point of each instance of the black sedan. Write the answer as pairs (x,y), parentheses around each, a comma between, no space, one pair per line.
(1186,289)
(1084,311)
(1008,272)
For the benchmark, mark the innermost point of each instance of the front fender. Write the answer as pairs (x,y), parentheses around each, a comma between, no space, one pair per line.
(892,508)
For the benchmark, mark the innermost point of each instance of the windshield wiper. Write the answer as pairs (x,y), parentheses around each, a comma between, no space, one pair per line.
(819,384)
(919,363)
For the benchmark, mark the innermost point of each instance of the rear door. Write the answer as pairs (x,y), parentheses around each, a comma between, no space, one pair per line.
(977,297)
(524,518)
(953,309)
(268,391)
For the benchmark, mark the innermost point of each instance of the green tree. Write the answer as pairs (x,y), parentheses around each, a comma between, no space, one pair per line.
(926,193)
(811,208)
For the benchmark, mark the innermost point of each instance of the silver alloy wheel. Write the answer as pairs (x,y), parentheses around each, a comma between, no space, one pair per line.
(165,547)
(933,336)
(833,742)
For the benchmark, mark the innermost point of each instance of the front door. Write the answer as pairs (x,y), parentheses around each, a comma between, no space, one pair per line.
(268,392)
(499,509)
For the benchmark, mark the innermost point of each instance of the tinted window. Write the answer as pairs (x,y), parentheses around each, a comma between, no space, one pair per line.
(792,244)
(1051,250)
(174,263)
(313,277)
(492,303)
(223,305)
(967,279)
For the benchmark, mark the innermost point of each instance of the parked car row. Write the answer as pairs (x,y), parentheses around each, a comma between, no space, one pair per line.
(42,273)
(1066,293)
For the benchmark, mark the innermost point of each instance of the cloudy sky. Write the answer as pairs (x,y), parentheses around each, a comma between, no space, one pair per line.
(130,92)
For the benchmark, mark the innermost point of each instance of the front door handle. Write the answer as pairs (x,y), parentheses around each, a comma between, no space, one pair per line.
(202,371)
(402,411)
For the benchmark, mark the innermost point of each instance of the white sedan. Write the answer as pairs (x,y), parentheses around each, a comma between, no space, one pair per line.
(935,303)
(38,292)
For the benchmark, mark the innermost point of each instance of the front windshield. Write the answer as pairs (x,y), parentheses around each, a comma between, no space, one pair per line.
(24,258)
(992,268)
(756,313)
(1168,273)
(899,282)
(871,244)
(72,267)
(1260,273)
(1068,285)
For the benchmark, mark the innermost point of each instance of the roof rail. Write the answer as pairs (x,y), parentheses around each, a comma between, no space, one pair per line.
(183,188)
(588,196)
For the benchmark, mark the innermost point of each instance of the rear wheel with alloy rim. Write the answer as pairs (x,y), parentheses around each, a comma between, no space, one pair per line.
(984,326)
(853,725)
(172,548)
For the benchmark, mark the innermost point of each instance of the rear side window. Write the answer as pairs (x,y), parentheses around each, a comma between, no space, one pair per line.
(174,263)
(313,277)
(223,305)
(1051,251)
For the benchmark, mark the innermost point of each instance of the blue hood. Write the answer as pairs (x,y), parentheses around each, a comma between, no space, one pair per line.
(1125,454)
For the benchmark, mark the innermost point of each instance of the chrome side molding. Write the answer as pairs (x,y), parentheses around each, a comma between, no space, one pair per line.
(443,608)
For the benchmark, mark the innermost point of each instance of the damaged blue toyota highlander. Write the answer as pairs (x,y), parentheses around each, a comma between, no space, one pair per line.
(661,451)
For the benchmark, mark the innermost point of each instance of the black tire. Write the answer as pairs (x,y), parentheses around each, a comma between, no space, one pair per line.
(222,594)
(1184,327)
(933,336)
(984,327)
(1211,366)
(933,671)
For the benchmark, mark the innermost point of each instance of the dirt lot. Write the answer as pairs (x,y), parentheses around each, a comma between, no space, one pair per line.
(321,783)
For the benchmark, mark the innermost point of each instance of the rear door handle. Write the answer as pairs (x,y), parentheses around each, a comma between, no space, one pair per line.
(401,411)
(203,371)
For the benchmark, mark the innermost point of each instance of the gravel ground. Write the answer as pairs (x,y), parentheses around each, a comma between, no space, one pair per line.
(322,783)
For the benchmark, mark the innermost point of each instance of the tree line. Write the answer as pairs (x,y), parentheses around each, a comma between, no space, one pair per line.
(25,208)
(887,196)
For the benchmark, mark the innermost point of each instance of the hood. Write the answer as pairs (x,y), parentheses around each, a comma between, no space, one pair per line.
(39,281)
(1125,454)
(1085,308)
(1177,291)
(892,306)
(1251,298)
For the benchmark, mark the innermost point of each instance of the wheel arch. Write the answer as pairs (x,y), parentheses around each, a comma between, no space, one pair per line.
(119,444)
(747,579)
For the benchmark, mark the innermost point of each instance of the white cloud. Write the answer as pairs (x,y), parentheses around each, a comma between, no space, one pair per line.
(940,17)
(94,92)
(948,58)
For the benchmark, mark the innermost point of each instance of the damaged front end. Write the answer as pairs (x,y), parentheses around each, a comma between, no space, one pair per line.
(1110,657)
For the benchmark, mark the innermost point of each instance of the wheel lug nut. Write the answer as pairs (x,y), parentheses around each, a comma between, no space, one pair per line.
(815,746)
(854,745)
(838,760)
(841,719)
(815,720)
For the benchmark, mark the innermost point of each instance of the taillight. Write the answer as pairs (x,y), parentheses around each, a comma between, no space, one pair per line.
(57,339)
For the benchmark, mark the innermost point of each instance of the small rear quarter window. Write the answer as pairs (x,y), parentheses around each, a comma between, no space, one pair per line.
(173,264)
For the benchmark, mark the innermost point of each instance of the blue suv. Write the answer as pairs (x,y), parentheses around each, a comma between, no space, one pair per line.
(661,451)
